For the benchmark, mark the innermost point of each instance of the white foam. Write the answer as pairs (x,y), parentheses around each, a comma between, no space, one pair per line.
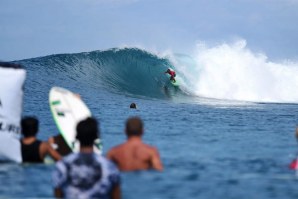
(234,72)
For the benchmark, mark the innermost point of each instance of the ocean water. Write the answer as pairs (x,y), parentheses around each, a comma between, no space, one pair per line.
(228,132)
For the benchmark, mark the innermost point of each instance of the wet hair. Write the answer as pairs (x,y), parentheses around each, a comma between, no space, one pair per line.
(29,126)
(133,105)
(134,126)
(87,131)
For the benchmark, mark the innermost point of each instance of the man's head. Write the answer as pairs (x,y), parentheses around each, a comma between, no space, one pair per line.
(29,126)
(134,127)
(133,105)
(87,131)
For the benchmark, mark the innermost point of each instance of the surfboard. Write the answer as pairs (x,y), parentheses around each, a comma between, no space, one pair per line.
(67,110)
(174,83)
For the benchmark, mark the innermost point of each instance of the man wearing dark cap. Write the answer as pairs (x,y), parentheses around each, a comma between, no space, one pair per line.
(86,174)
(135,155)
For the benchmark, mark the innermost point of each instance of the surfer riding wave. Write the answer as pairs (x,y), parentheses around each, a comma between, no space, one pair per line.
(172,73)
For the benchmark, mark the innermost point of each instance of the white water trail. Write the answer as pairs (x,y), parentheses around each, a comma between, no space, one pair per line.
(234,72)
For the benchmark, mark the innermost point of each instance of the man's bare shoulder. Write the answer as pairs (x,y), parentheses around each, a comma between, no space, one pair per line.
(116,149)
(150,148)
(121,147)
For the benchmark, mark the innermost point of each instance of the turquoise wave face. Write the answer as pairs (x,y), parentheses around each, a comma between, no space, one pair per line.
(131,71)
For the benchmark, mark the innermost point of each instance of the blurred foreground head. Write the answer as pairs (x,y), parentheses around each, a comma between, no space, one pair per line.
(87,131)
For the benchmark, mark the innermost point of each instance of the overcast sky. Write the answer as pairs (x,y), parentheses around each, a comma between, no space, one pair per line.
(31,28)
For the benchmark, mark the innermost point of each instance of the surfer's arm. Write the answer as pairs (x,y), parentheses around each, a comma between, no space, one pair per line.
(46,149)
(53,153)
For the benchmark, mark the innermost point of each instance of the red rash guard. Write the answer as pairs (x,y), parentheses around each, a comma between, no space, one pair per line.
(172,73)
(294,164)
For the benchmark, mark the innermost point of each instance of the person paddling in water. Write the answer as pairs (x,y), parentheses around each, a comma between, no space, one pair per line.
(172,73)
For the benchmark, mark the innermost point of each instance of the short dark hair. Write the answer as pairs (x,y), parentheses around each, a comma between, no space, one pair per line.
(133,105)
(87,131)
(29,126)
(134,126)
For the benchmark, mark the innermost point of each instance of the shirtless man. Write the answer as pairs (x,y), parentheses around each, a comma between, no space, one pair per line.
(134,154)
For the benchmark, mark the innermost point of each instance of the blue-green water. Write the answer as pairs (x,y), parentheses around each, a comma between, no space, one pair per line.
(210,148)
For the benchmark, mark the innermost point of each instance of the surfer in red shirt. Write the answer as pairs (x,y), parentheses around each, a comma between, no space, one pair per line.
(172,73)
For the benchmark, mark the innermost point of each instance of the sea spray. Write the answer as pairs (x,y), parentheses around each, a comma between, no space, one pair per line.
(234,72)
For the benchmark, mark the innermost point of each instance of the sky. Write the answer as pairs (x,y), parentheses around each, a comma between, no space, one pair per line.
(33,28)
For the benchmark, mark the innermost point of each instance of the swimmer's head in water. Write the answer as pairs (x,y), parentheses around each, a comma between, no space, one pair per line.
(87,131)
(134,126)
(133,105)
(29,126)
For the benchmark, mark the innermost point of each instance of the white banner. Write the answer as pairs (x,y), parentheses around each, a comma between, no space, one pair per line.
(11,103)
